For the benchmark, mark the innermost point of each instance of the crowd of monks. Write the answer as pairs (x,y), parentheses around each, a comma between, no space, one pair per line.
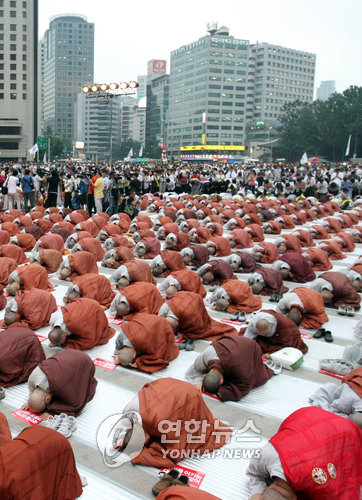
(169,275)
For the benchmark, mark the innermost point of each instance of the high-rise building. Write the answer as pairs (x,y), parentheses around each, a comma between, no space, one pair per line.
(142,87)
(67,65)
(326,89)
(18,78)
(156,110)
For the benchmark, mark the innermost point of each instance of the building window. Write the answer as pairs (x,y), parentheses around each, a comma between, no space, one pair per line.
(1,13)
(12,67)
(24,97)
(1,76)
(12,27)
(24,86)
(24,47)
(13,38)
(12,57)
(24,14)
(13,76)
(13,46)
(13,95)
(1,96)
(13,13)
(12,86)
(13,3)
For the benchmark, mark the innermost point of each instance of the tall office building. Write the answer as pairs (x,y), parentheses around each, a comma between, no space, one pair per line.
(326,89)
(67,65)
(18,78)
(142,87)
(156,110)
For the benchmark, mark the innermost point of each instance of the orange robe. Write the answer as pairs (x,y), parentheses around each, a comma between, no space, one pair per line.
(7,266)
(93,246)
(35,307)
(34,276)
(314,314)
(319,258)
(95,286)
(139,271)
(241,297)
(82,263)
(50,259)
(190,281)
(143,298)
(14,252)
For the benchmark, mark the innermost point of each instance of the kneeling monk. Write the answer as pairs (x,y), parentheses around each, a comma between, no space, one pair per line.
(305,307)
(92,286)
(166,262)
(169,400)
(293,266)
(63,383)
(77,264)
(235,295)
(147,343)
(80,325)
(48,258)
(136,298)
(185,279)
(27,277)
(230,367)
(131,272)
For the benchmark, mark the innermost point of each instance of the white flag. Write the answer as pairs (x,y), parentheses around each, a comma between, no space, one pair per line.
(304,159)
(45,158)
(34,149)
(348,145)
(140,152)
(130,154)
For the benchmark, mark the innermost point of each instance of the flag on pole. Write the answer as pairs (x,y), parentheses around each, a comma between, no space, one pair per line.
(130,154)
(348,145)
(45,158)
(304,159)
(140,152)
(34,149)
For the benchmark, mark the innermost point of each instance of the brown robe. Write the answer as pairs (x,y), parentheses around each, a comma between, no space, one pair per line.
(88,324)
(34,276)
(314,314)
(248,263)
(20,352)
(241,297)
(194,321)
(299,267)
(189,281)
(35,307)
(30,462)
(273,282)
(343,290)
(82,263)
(241,238)
(4,237)
(269,252)
(52,241)
(175,400)
(172,260)
(201,255)
(333,249)
(153,247)
(154,340)
(35,230)
(319,258)
(14,252)
(7,266)
(50,259)
(26,241)
(139,271)
(71,381)
(182,493)
(354,380)
(240,362)
(223,246)
(142,298)
(221,270)
(292,242)
(95,286)
(93,246)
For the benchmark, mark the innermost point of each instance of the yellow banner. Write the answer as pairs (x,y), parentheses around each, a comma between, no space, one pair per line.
(212,147)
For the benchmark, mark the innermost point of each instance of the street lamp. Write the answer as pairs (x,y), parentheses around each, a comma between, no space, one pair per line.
(106,92)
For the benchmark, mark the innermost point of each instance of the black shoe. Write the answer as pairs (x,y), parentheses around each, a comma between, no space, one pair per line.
(190,345)
(328,337)
(319,333)
(182,345)
(278,297)
(273,297)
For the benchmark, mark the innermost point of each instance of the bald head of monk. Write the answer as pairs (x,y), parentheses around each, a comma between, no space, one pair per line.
(258,256)
(187,260)
(212,381)
(110,245)
(141,252)
(171,290)
(207,278)
(65,274)
(57,336)
(234,265)
(71,243)
(327,296)
(72,295)
(282,248)
(157,271)
(136,237)
(126,356)
(173,322)
(123,282)
(123,309)
(310,262)
(285,273)
(357,284)
(257,287)
(13,288)
(222,304)
(39,400)
(109,262)
(102,237)
(10,317)
(264,328)
(211,249)
(295,315)
(267,229)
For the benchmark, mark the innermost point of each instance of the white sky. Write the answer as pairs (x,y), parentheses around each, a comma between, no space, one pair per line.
(128,34)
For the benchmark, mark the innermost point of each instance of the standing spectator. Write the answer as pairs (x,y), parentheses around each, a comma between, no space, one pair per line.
(27,183)
(68,190)
(114,191)
(98,191)
(83,190)
(106,190)
(53,185)
(12,185)
(91,205)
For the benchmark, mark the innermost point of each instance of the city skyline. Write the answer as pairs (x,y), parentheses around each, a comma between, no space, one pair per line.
(318,27)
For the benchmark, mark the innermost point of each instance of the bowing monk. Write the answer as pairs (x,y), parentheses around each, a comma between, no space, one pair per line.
(265,252)
(315,455)
(195,255)
(13,252)
(24,240)
(163,446)
(332,249)
(266,281)
(185,279)
(166,262)
(177,241)
(136,298)
(53,241)
(117,256)
(216,272)
(305,307)
(147,343)
(230,367)
(318,259)
(218,246)
(7,266)
(31,462)
(242,262)
(20,352)
(91,245)
(131,272)
(239,238)
(337,290)
(287,242)
(147,248)
(77,264)
(75,238)
(29,309)
(91,286)
(80,325)
(188,316)
(273,331)
(63,383)
(235,295)
(293,266)
(27,277)
(48,258)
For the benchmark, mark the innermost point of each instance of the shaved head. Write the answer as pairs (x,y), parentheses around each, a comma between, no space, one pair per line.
(257,287)
(141,251)
(57,336)
(123,309)
(123,282)
(173,322)
(13,288)
(38,400)
(222,304)
(212,381)
(263,327)
(187,259)
(207,278)
(170,291)
(295,315)
(157,271)
(327,296)
(65,273)
(126,356)
(282,248)
(10,317)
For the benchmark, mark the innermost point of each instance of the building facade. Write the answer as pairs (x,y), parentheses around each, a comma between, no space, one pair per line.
(18,78)
(157,109)
(67,65)
(326,89)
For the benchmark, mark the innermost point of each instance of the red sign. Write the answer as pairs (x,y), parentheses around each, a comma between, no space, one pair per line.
(214,396)
(104,363)
(156,67)
(305,336)
(40,337)
(115,321)
(194,476)
(331,374)
(231,322)
(27,416)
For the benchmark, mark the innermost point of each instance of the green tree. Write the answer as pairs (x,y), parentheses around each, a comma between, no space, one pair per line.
(152,149)
(127,145)
(56,145)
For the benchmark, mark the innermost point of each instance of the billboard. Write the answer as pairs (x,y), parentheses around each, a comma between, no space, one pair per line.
(156,67)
